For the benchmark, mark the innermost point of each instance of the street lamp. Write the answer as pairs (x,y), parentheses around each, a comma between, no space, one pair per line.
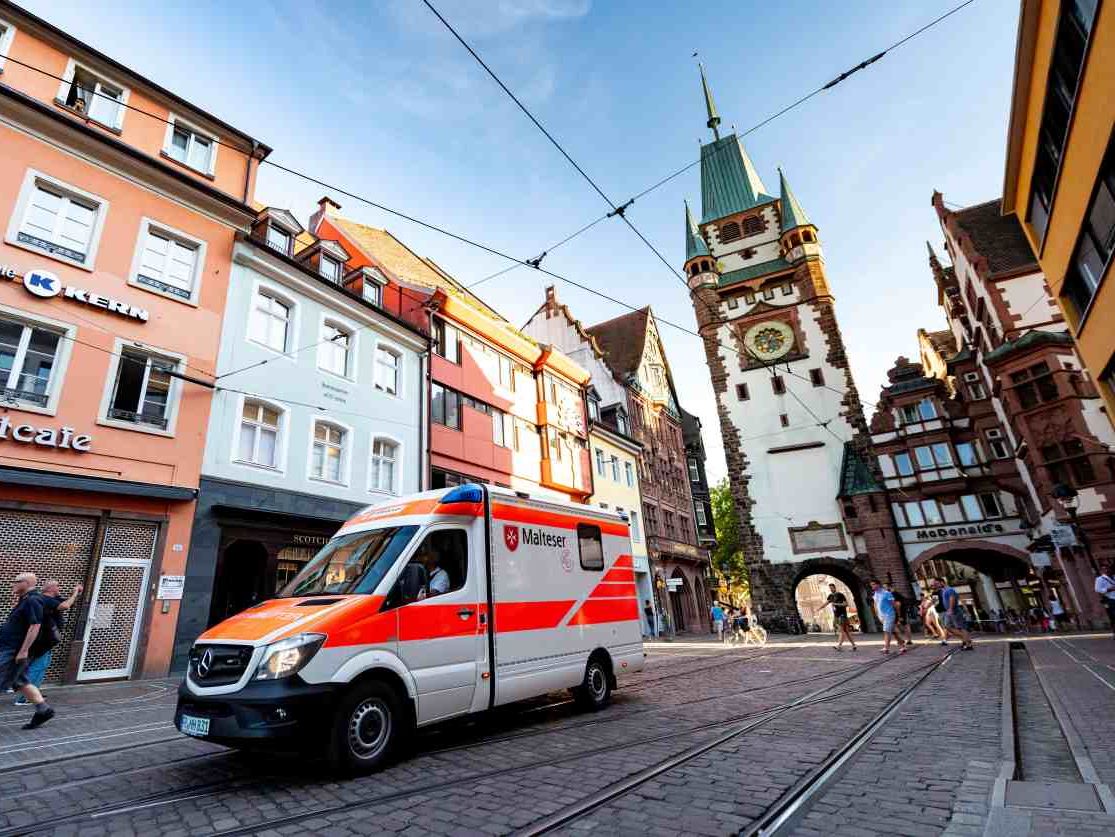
(1068,498)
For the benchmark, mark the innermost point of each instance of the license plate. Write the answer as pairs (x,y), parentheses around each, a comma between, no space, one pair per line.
(194,726)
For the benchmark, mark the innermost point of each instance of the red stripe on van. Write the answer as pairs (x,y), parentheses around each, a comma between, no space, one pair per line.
(616,574)
(596,611)
(530,616)
(624,562)
(433,621)
(614,590)
(537,517)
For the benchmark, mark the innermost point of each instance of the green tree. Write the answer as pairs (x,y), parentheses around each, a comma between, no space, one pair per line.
(727,558)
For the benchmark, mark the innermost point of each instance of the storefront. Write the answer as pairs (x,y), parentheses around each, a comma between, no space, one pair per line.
(110,536)
(247,543)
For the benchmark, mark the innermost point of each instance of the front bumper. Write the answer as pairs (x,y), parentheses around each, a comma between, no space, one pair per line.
(267,712)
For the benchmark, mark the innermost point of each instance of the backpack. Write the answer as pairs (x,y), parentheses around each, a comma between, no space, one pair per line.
(50,634)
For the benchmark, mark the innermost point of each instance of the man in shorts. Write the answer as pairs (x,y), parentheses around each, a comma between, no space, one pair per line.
(839,604)
(716,612)
(884,609)
(902,609)
(17,635)
(953,618)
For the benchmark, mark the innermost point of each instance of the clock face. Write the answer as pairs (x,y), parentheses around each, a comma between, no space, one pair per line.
(769,340)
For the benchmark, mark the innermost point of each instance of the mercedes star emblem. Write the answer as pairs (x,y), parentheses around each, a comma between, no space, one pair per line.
(205,663)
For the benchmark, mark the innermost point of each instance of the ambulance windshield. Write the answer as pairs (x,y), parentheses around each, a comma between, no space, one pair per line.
(353,563)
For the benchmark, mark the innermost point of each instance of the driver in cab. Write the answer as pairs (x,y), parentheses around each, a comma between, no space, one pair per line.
(439,578)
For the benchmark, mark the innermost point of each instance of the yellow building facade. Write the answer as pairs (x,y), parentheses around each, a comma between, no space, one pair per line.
(615,481)
(1060,165)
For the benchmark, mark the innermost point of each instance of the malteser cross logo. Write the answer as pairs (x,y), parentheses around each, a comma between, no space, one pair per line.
(511,537)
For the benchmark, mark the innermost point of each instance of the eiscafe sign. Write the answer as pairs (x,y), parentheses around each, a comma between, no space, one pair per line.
(44,284)
(45,437)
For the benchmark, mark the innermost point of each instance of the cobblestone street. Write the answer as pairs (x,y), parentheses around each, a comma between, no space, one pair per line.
(707,740)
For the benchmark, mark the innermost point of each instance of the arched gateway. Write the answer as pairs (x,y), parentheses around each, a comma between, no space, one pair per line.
(856,583)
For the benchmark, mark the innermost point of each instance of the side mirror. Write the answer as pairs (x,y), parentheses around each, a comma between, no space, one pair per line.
(412,581)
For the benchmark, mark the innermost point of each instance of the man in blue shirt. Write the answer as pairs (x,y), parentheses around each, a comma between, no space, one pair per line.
(717,614)
(953,618)
(884,609)
(17,635)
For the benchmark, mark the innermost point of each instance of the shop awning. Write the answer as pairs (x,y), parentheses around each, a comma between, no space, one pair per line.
(76,482)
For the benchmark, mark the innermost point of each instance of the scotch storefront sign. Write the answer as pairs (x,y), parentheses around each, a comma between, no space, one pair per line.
(45,437)
(43,283)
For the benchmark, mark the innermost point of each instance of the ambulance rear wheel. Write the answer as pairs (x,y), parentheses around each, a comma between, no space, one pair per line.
(596,690)
(368,728)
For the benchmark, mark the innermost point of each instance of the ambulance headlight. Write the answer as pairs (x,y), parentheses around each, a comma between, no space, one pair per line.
(285,657)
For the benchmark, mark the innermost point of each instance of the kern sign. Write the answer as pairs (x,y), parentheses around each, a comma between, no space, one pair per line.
(44,284)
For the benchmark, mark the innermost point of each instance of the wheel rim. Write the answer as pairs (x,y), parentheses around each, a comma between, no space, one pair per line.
(369,728)
(597,683)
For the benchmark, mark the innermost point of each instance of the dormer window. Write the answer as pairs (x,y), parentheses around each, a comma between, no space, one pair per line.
(279,239)
(593,399)
(368,282)
(621,421)
(189,146)
(330,268)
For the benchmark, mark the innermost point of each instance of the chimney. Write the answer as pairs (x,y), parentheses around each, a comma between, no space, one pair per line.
(323,209)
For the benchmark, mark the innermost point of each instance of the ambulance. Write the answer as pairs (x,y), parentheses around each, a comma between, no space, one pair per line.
(431,607)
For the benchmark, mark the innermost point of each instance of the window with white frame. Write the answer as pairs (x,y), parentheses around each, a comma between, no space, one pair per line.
(903,465)
(991,505)
(335,351)
(328,452)
(387,370)
(141,393)
(28,357)
(636,535)
(59,220)
(279,239)
(615,468)
(502,428)
(699,511)
(970,504)
(168,263)
(600,461)
(260,434)
(932,512)
(94,97)
(913,514)
(330,268)
(629,471)
(385,463)
(7,34)
(933,456)
(373,292)
(966,453)
(269,322)
(976,391)
(190,147)
(998,444)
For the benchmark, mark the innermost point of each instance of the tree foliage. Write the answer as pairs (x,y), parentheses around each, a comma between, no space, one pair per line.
(727,558)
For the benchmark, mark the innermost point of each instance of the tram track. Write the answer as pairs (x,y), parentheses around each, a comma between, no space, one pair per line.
(751,719)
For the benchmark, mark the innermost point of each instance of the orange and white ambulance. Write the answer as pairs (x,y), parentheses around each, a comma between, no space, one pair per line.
(430,607)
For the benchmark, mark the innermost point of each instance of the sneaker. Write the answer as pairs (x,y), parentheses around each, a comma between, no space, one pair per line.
(837,648)
(943,643)
(854,648)
(21,701)
(40,718)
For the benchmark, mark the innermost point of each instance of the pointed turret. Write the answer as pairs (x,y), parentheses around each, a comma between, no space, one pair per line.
(793,215)
(694,244)
(710,106)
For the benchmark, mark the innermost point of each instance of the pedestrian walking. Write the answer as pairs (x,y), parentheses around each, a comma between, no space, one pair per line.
(17,634)
(901,619)
(1057,610)
(839,604)
(1105,586)
(53,624)
(930,619)
(952,614)
(648,612)
(884,609)
(717,614)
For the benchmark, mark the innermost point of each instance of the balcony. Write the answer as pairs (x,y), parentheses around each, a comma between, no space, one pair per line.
(22,396)
(146,419)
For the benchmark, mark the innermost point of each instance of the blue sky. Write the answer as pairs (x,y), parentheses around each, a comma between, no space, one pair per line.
(377,97)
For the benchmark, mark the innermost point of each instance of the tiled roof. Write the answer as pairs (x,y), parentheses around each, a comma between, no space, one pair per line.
(997,237)
(408,265)
(622,340)
(855,475)
(729,182)
(744,273)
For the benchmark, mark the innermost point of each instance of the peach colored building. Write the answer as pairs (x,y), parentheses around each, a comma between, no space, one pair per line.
(119,205)
(504,409)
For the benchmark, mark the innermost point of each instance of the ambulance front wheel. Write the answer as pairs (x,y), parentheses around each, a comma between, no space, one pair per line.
(595,692)
(368,729)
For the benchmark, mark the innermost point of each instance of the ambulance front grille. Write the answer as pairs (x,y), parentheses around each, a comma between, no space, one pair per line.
(218,665)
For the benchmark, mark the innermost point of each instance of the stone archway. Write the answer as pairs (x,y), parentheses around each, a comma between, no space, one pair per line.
(989,576)
(681,601)
(851,577)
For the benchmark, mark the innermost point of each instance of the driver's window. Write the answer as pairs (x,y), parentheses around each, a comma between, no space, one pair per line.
(438,566)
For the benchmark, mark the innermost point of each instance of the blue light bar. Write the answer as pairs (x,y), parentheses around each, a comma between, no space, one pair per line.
(464,494)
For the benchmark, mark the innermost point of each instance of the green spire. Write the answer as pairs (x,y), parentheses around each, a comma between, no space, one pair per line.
(792,213)
(694,244)
(710,105)
(729,181)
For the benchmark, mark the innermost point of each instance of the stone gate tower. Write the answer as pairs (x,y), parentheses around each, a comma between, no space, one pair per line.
(798,451)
